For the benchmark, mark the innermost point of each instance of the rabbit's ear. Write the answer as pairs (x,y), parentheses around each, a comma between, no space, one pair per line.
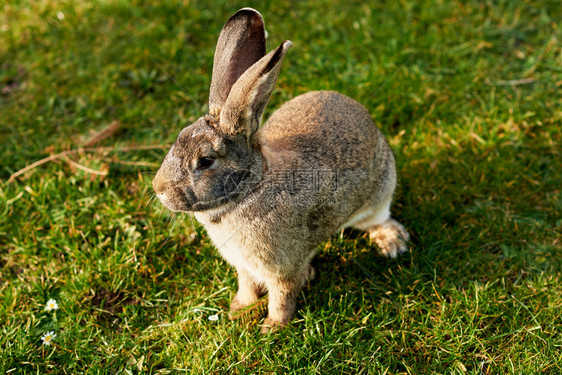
(241,43)
(246,102)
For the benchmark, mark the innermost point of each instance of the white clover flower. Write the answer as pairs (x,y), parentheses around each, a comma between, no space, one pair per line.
(48,338)
(214,318)
(51,305)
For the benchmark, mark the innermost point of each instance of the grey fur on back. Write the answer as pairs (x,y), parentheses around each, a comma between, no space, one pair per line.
(331,138)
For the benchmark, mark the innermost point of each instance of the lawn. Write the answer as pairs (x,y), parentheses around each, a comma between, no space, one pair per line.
(469,95)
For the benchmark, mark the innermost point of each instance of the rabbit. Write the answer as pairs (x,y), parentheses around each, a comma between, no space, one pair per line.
(269,195)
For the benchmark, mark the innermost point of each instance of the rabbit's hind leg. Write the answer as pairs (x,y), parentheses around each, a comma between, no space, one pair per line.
(389,235)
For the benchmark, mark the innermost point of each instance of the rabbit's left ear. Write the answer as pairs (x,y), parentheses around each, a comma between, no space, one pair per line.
(241,43)
(248,97)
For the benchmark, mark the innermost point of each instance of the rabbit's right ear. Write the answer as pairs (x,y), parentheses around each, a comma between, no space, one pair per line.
(246,102)
(241,43)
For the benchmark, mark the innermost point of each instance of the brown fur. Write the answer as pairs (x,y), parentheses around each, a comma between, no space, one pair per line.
(273,194)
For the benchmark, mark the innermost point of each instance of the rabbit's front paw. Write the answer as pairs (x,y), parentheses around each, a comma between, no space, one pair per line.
(243,300)
(236,305)
(270,326)
(390,237)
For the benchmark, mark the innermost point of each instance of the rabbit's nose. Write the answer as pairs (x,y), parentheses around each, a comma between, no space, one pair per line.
(159,183)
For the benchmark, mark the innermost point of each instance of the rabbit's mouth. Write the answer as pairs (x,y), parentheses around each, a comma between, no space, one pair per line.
(181,205)
(204,206)
(167,202)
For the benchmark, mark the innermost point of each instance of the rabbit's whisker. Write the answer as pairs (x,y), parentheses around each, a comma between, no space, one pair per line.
(190,217)
(174,221)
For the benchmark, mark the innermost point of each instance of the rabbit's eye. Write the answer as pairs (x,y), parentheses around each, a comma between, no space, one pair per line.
(205,163)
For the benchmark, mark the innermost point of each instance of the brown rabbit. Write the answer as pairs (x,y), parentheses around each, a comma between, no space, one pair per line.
(269,196)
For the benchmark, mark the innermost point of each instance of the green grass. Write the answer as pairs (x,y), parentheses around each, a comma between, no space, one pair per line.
(469,94)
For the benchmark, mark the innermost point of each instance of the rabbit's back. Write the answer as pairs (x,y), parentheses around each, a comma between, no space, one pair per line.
(331,139)
(321,129)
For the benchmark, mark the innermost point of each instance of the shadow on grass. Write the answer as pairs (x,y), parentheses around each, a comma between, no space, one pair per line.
(479,215)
